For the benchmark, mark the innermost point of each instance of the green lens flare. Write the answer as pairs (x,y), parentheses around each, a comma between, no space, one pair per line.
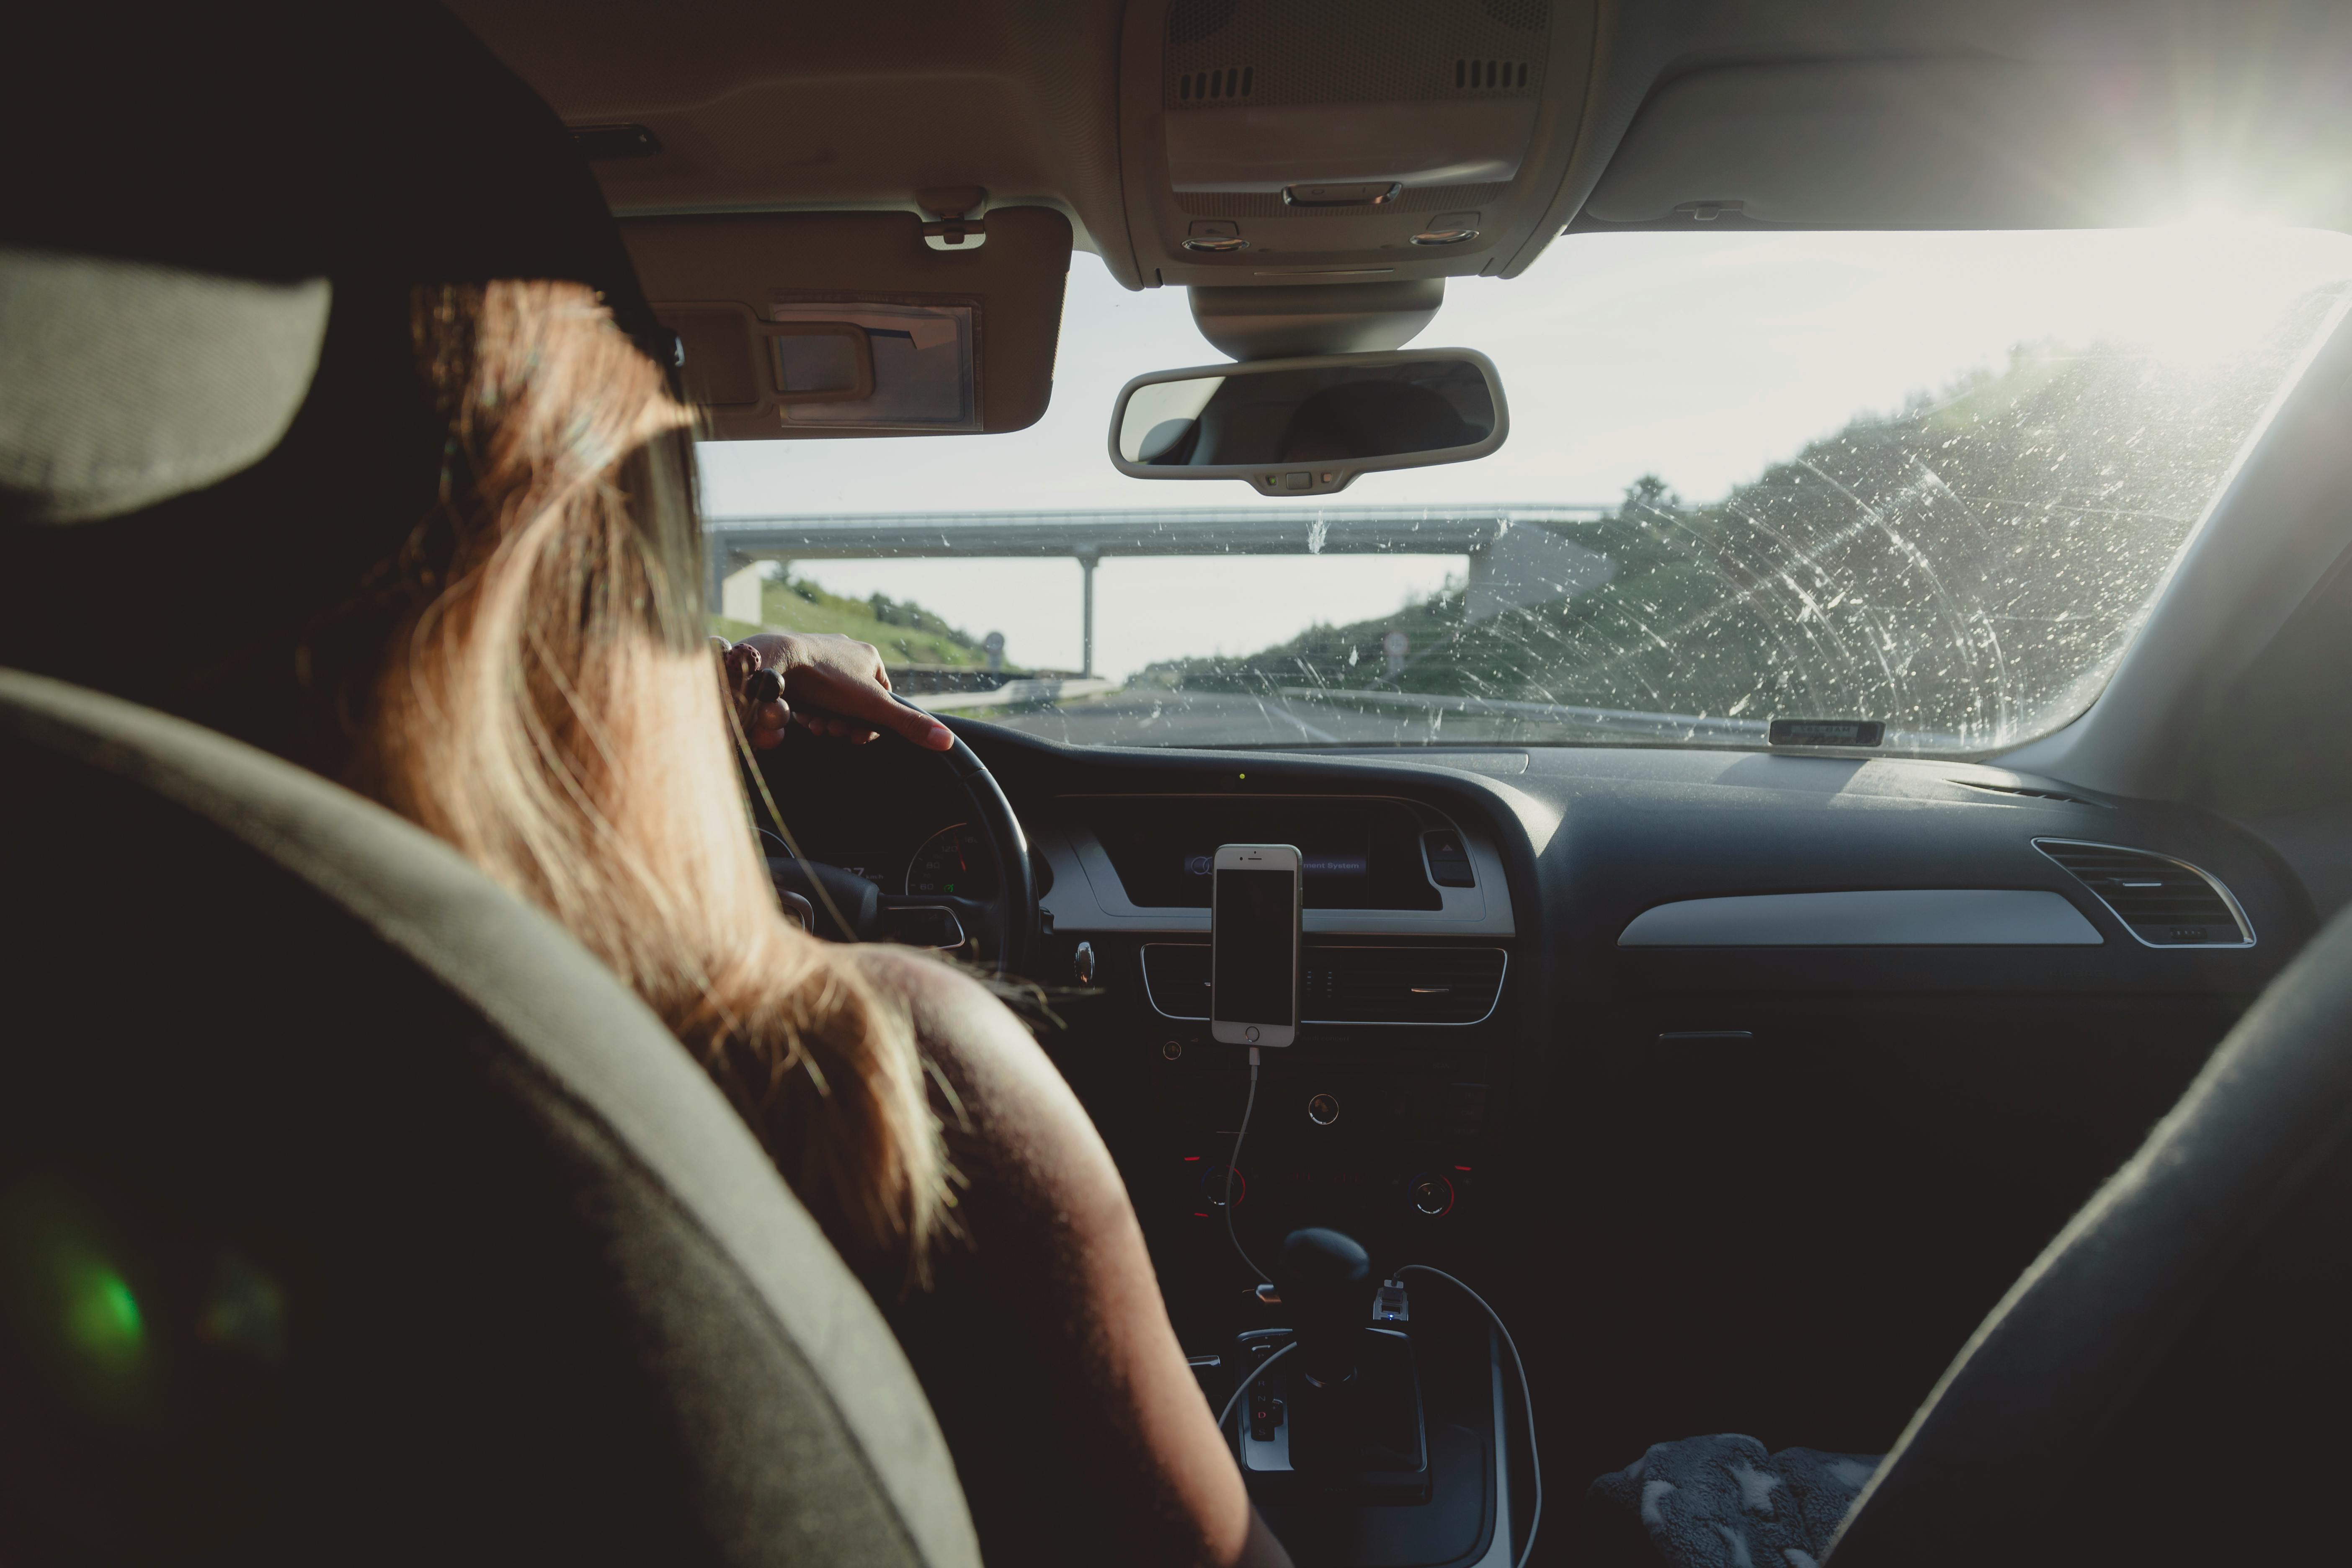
(103,1316)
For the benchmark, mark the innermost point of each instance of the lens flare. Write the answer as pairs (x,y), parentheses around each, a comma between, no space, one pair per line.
(102,1317)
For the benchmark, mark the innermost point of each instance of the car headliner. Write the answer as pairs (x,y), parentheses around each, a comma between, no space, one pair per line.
(1991,113)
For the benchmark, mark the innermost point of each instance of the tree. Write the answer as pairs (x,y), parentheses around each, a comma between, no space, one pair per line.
(1648,497)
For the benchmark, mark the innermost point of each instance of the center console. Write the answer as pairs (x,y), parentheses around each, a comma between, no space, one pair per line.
(1387,1433)
(1375,1432)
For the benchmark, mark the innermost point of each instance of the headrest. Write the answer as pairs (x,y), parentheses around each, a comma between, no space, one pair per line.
(199,186)
(122,382)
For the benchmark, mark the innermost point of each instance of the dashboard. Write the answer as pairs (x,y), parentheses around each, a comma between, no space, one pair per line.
(1792,1062)
(947,858)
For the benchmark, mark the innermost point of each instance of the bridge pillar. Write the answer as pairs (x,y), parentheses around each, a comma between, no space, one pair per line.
(1529,565)
(718,563)
(1088,561)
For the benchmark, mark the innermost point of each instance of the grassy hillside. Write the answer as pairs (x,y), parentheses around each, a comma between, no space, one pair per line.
(903,630)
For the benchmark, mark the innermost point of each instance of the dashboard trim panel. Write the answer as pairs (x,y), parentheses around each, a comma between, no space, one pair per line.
(1887,917)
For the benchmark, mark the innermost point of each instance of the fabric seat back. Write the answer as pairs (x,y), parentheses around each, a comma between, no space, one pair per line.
(350,1211)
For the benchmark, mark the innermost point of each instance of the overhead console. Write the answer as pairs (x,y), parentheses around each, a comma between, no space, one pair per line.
(1358,141)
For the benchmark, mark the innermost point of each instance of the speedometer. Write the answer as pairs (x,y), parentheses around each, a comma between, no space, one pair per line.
(953,861)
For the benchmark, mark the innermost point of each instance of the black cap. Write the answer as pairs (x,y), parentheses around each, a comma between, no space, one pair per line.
(367,140)
(376,144)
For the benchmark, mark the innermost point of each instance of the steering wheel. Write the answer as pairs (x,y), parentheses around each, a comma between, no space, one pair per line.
(844,905)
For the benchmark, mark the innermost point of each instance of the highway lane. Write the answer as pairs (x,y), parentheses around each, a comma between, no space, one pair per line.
(1148,717)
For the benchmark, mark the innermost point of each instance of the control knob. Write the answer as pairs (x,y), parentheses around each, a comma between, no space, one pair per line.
(1430,1194)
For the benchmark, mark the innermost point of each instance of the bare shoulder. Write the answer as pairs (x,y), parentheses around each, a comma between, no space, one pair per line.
(950,1009)
(988,1055)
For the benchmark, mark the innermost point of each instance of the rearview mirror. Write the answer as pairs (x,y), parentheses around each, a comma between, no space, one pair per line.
(1309,426)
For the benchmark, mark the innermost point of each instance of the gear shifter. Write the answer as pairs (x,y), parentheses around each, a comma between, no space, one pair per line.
(1343,1413)
(1326,1283)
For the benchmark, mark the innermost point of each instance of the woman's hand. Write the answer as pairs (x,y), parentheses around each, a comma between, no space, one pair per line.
(831,684)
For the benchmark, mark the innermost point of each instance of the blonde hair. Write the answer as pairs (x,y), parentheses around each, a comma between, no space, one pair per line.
(548,708)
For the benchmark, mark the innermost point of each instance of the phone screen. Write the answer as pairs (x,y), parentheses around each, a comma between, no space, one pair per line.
(1253,931)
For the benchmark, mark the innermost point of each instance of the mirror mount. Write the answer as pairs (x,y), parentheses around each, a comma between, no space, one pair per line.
(1284,320)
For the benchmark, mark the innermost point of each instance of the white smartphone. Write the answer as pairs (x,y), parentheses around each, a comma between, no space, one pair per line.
(1254,906)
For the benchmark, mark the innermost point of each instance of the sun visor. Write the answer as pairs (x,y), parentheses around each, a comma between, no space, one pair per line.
(123,383)
(798,325)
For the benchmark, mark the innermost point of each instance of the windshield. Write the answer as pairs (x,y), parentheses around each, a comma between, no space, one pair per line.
(1930,480)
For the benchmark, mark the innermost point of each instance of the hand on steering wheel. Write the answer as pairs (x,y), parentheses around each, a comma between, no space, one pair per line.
(835,686)
(829,684)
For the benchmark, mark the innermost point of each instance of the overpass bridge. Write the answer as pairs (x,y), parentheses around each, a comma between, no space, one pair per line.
(1515,558)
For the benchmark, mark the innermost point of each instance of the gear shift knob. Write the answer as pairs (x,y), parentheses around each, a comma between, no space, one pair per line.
(1326,1283)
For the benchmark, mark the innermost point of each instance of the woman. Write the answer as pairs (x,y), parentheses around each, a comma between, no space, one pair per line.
(540,701)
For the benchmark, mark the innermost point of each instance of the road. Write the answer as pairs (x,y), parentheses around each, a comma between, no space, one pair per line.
(1144,717)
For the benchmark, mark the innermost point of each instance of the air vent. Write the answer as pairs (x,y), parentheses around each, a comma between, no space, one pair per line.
(1211,87)
(1445,986)
(2165,902)
(2021,790)
(1483,74)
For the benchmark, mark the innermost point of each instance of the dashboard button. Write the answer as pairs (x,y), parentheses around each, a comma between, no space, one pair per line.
(1212,1186)
(1171,1050)
(1323,1109)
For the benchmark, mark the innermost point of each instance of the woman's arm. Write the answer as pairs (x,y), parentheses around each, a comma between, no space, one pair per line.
(832,685)
(1054,1237)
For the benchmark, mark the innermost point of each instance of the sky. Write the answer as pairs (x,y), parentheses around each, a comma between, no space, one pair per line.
(1699,357)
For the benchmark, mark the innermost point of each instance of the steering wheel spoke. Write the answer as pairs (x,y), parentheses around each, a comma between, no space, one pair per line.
(942,920)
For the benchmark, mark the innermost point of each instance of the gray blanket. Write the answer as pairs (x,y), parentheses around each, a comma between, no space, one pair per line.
(1723,1502)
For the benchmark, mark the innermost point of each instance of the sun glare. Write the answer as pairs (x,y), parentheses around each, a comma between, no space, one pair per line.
(2211,285)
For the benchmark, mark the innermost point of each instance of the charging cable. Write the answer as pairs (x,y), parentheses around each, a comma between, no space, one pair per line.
(1230,1234)
(1535,1467)
(1243,1387)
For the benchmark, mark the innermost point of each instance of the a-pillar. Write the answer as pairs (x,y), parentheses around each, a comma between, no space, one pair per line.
(1086,564)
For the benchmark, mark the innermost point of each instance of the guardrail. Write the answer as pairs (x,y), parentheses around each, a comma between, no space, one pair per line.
(1618,721)
(1609,721)
(1014,693)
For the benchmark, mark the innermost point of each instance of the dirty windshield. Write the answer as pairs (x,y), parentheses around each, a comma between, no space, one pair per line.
(1933,482)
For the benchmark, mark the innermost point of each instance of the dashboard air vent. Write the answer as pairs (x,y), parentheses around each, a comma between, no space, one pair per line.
(1370,986)
(2165,902)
